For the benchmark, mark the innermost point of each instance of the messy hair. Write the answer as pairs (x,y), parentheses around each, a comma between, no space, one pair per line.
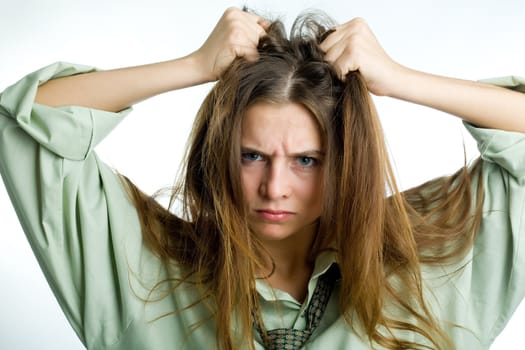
(381,235)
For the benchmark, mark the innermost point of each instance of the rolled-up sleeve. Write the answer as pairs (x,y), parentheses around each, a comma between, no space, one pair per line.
(83,229)
(494,282)
(498,258)
(70,132)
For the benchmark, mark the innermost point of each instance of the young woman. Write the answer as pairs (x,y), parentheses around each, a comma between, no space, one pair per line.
(291,231)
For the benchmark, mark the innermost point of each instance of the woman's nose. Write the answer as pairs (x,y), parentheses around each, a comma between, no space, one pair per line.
(276,182)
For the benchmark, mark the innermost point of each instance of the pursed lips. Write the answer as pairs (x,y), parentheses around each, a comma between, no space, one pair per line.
(274,215)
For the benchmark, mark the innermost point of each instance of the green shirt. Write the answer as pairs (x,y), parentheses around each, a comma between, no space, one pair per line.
(86,236)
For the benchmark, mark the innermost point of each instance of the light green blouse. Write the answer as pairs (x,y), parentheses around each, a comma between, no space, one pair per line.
(86,236)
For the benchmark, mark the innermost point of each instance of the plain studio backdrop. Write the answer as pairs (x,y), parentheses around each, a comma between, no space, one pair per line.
(464,39)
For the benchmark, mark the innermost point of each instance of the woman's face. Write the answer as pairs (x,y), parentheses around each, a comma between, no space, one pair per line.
(281,170)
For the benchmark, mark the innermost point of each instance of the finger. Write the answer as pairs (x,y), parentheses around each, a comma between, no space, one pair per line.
(248,52)
(333,53)
(345,64)
(254,31)
(331,39)
(258,23)
(241,34)
(342,32)
(264,24)
(261,21)
(258,19)
(252,56)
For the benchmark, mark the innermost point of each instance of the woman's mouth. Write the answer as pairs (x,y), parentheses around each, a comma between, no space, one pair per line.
(274,215)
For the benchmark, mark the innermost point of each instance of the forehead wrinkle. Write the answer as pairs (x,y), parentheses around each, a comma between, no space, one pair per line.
(280,130)
(289,143)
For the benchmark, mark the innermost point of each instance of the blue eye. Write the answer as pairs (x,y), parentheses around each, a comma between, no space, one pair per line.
(250,157)
(307,161)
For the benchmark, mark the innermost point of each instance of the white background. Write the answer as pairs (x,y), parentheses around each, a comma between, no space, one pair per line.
(465,39)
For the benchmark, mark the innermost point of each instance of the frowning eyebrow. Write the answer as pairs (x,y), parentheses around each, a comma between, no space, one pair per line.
(306,153)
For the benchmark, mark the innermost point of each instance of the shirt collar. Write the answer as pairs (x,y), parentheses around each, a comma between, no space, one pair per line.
(323,261)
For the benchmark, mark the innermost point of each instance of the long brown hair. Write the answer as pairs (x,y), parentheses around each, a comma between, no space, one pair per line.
(381,235)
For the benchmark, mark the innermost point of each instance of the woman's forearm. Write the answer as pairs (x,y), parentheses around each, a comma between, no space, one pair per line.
(236,35)
(353,46)
(481,104)
(114,90)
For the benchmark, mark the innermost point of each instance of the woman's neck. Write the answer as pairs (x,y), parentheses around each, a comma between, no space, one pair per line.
(289,268)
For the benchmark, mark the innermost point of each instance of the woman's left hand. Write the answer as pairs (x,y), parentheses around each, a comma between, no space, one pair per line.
(353,46)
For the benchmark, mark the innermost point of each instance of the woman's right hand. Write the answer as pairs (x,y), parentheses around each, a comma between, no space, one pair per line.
(236,34)
(353,46)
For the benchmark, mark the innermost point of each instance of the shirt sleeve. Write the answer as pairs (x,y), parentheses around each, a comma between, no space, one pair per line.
(496,278)
(83,229)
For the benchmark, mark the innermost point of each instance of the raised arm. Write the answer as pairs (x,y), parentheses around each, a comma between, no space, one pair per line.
(236,34)
(353,46)
(79,221)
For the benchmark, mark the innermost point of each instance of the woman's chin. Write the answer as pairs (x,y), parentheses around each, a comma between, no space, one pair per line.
(272,233)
